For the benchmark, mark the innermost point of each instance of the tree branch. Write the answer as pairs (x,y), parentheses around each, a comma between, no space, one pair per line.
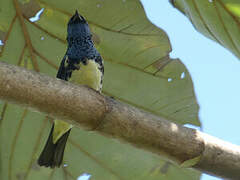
(85,107)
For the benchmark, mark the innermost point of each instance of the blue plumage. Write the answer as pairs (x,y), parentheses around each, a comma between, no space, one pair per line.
(80,44)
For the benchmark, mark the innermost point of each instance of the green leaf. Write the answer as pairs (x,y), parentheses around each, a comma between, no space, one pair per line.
(234,8)
(218,20)
(191,162)
(138,71)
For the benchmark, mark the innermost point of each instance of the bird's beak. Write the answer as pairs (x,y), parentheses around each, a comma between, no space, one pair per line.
(77,17)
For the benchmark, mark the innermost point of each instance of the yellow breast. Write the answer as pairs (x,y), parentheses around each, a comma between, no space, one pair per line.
(88,74)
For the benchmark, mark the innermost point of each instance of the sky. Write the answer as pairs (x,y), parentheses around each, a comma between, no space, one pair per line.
(215,71)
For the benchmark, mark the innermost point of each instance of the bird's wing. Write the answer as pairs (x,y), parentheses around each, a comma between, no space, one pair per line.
(99,60)
(61,74)
(65,69)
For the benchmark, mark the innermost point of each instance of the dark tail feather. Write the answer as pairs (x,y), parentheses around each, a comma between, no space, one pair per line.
(52,154)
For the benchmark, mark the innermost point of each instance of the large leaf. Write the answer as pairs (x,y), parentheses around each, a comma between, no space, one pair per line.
(138,71)
(217,19)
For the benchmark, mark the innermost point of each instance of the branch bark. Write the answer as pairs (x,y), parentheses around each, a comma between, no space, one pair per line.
(85,107)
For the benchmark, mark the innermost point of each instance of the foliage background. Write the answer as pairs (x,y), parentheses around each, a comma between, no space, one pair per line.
(138,52)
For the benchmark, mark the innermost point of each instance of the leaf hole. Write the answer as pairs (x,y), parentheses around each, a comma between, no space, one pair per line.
(37,16)
(182,75)
(84,176)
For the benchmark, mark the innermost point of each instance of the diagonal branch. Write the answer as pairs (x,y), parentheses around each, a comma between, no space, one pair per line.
(84,107)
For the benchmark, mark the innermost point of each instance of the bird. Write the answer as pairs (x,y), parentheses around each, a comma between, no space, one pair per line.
(81,64)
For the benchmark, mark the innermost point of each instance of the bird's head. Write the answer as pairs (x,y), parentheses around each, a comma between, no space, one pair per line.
(78,27)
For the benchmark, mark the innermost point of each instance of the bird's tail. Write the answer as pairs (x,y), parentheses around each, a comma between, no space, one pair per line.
(52,154)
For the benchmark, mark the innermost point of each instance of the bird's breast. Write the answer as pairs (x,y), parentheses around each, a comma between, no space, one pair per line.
(89,74)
